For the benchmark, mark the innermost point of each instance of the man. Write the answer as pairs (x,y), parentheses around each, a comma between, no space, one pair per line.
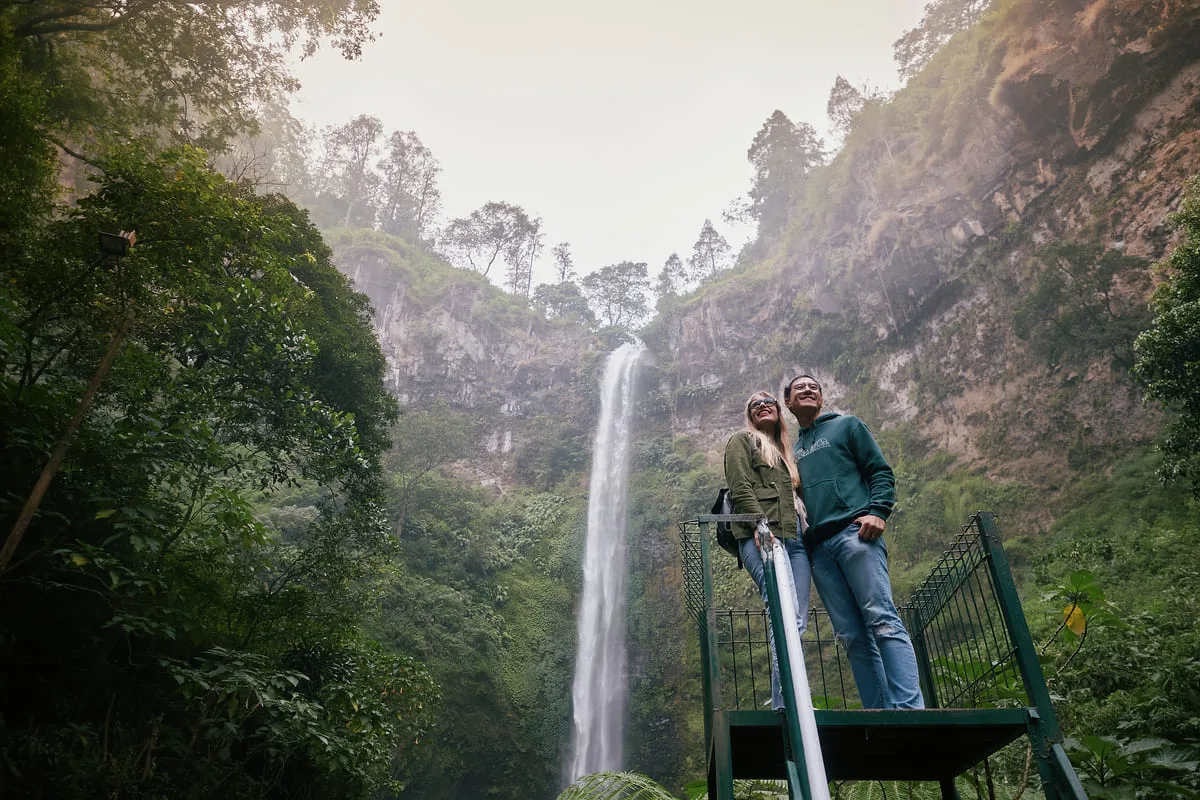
(849,490)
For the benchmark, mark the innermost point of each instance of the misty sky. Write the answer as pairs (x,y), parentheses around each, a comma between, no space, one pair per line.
(623,123)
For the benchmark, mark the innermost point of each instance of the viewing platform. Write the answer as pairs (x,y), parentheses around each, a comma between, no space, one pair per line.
(980,675)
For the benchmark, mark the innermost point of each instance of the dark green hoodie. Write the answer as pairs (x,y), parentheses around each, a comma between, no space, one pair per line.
(844,475)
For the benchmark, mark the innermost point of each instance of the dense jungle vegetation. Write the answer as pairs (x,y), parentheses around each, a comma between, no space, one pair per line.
(256,574)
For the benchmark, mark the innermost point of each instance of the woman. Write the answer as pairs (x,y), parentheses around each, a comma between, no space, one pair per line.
(763,480)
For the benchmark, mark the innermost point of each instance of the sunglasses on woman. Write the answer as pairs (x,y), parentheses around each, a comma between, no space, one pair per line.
(763,401)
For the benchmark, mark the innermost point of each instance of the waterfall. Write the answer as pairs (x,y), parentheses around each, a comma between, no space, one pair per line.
(598,693)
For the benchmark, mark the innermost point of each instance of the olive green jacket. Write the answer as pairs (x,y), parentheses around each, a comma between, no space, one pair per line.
(756,488)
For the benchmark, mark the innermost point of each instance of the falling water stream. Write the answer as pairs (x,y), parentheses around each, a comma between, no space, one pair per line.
(598,693)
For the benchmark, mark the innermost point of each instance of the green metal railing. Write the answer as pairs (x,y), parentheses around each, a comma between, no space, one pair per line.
(973,648)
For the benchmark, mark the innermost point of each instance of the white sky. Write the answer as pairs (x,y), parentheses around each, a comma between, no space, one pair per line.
(622,123)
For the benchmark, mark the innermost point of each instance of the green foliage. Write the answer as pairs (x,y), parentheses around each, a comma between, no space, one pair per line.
(618,293)
(615,786)
(1168,354)
(783,153)
(554,450)
(192,73)
(495,232)
(933,500)
(563,301)
(424,441)
(483,597)
(1124,556)
(1112,768)
(1085,301)
(170,640)
(941,21)
(27,189)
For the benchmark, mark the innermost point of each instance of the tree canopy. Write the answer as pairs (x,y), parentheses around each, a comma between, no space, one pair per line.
(782,154)
(1168,354)
(190,626)
(941,20)
(191,71)
(619,293)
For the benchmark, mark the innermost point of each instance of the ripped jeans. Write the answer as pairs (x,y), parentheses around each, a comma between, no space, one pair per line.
(851,577)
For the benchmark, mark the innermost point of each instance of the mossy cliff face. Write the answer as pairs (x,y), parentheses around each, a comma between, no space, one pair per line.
(901,273)
(448,335)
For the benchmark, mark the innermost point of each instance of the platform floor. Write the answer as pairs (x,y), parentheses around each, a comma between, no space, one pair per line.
(925,745)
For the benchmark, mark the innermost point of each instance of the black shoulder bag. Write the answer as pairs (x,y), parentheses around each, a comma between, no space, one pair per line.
(725,537)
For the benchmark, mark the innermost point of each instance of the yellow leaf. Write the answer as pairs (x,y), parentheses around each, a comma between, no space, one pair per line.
(1073,617)
(78,560)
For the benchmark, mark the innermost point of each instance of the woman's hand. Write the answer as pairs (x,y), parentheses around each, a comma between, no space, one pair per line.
(762,534)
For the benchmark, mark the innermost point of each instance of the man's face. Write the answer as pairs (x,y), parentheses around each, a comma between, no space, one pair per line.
(804,397)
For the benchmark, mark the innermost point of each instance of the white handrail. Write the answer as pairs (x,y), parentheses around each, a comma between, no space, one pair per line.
(814,762)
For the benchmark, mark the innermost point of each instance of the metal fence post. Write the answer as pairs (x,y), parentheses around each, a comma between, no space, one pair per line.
(1058,776)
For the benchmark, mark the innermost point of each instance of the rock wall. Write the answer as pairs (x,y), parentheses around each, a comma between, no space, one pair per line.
(899,283)
(449,335)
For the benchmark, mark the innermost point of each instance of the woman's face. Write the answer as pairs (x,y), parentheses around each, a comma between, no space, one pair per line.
(764,412)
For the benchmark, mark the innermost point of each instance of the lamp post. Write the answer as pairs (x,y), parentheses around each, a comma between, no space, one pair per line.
(117,246)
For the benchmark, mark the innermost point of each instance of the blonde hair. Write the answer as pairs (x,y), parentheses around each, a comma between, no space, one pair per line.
(775,448)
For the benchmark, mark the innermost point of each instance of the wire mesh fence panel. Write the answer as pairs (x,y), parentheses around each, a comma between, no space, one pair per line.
(693,569)
(743,655)
(956,623)
(954,617)
(745,663)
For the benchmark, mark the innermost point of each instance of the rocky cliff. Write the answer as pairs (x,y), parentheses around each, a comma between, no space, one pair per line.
(450,335)
(900,276)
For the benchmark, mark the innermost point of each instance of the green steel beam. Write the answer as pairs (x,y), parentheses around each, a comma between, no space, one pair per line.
(1014,617)
(922,653)
(1059,781)
(715,723)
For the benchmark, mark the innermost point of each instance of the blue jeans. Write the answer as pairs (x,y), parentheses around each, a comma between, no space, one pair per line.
(852,580)
(801,577)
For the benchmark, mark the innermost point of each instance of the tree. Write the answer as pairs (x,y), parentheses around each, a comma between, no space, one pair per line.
(739,212)
(845,104)
(1168,354)
(424,441)
(672,278)
(184,72)
(275,156)
(491,233)
(618,293)
(410,199)
(709,253)
(941,20)
(349,152)
(782,154)
(521,256)
(27,181)
(563,301)
(564,265)
(229,654)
